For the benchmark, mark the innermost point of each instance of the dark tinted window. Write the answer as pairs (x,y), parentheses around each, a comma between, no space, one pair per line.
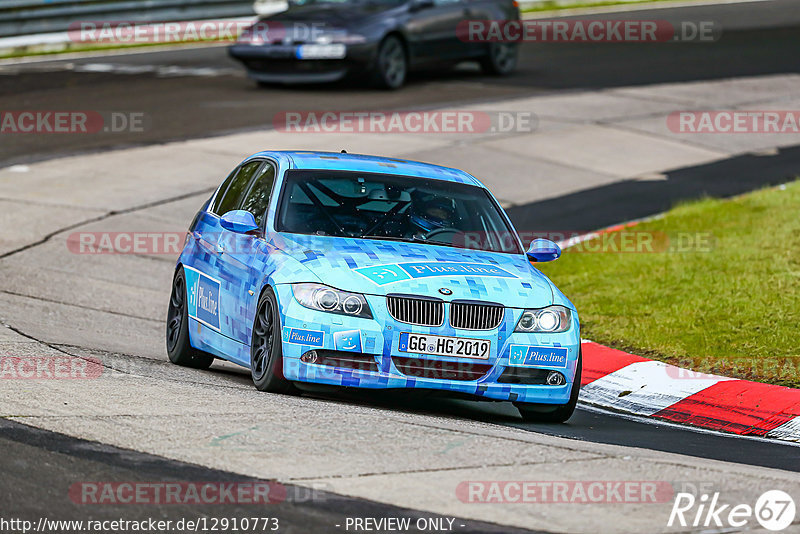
(257,198)
(224,187)
(400,208)
(229,198)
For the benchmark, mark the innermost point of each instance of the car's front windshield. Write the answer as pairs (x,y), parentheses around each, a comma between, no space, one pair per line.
(403,208)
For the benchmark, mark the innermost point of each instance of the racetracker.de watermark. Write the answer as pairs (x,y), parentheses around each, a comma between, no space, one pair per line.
(617,242)
(131,32)
(72,122)
(158,493)
(49,368)
(427,122)
(735,122)
(604,242)
(126,242)
(777,368)
(560,492)
(587,31)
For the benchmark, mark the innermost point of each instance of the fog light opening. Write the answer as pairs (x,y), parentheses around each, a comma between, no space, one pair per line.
(309,357)
(554,378)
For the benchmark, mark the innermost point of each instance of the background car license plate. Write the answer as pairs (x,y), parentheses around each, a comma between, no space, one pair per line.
(321,51)
(459,347)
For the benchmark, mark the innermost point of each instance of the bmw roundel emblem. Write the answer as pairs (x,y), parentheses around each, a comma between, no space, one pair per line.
(445,291)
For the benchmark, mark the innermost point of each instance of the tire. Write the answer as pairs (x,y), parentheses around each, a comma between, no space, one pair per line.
(266,352)
(553,413)
(501,59)
(179,349)
(391,65)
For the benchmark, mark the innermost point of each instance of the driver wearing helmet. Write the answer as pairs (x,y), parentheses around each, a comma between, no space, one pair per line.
(433,214)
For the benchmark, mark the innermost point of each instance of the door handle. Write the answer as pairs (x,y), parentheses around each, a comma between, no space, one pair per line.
(220,248)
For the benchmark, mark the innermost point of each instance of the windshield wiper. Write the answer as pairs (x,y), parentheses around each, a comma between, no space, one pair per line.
(412,239)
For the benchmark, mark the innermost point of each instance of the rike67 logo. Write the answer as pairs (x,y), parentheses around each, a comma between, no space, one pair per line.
(774,510)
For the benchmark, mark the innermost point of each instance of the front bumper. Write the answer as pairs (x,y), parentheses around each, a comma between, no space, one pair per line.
(277,63)
(375,342)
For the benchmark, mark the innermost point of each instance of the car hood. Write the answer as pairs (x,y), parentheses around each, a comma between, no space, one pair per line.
(390,267)
(344,15)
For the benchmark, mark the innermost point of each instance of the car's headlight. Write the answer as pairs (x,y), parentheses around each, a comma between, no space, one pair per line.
(324,298)
(551,319)
(340,37)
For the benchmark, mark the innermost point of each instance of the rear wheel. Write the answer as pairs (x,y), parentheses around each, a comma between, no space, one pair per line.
(179,349)
(266,353)
(391,65)
(501,59)
(553,413)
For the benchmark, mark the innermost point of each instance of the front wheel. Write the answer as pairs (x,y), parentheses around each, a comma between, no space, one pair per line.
(179,349)
(391,65)
(266,352)
(501,59)
(553,413)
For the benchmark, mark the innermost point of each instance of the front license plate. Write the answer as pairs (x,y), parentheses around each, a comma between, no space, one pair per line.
(321,51)
(458,347)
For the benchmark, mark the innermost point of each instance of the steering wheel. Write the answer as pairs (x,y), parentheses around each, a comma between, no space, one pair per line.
(440,231)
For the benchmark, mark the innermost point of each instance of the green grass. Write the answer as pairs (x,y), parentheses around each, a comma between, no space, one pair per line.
(733,310)
(81,48)
(551,5)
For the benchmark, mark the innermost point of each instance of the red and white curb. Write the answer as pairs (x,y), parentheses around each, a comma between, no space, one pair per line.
(626,383)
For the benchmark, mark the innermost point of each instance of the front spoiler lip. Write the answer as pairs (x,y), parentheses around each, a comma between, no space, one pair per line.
(300,77)
(481,389)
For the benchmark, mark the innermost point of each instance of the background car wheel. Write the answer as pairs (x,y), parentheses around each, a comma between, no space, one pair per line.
(501,59)
(553,413)
(391,65)
(266,353)
(179,349)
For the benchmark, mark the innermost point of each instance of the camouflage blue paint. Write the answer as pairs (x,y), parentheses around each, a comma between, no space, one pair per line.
(374,268)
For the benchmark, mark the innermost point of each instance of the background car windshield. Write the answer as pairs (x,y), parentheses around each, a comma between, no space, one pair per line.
(379,206)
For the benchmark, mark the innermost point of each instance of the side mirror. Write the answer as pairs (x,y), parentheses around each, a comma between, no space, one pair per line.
(417,5)
(542,250)
(239,221)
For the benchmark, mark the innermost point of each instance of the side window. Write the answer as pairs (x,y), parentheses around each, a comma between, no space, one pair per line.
(224,187)
(256,200)
(229,200)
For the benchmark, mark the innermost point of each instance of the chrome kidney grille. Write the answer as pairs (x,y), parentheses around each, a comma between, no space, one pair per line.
(430,312)
(416,311)
(471,316)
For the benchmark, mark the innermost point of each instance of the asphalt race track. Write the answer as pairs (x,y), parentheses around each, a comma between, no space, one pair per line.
(67,459)
(214,97)
(198,92)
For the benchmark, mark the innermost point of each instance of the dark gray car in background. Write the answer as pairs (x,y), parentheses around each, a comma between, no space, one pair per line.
(326,40)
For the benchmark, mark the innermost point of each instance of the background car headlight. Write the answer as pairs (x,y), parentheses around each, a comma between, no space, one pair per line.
(550,319)
(340,36)
(323,298)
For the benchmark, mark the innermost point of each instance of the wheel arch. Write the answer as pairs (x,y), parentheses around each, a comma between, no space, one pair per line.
(396,32)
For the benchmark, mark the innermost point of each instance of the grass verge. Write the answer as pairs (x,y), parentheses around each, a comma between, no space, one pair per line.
(90,48)
(552,5)
(714,286)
